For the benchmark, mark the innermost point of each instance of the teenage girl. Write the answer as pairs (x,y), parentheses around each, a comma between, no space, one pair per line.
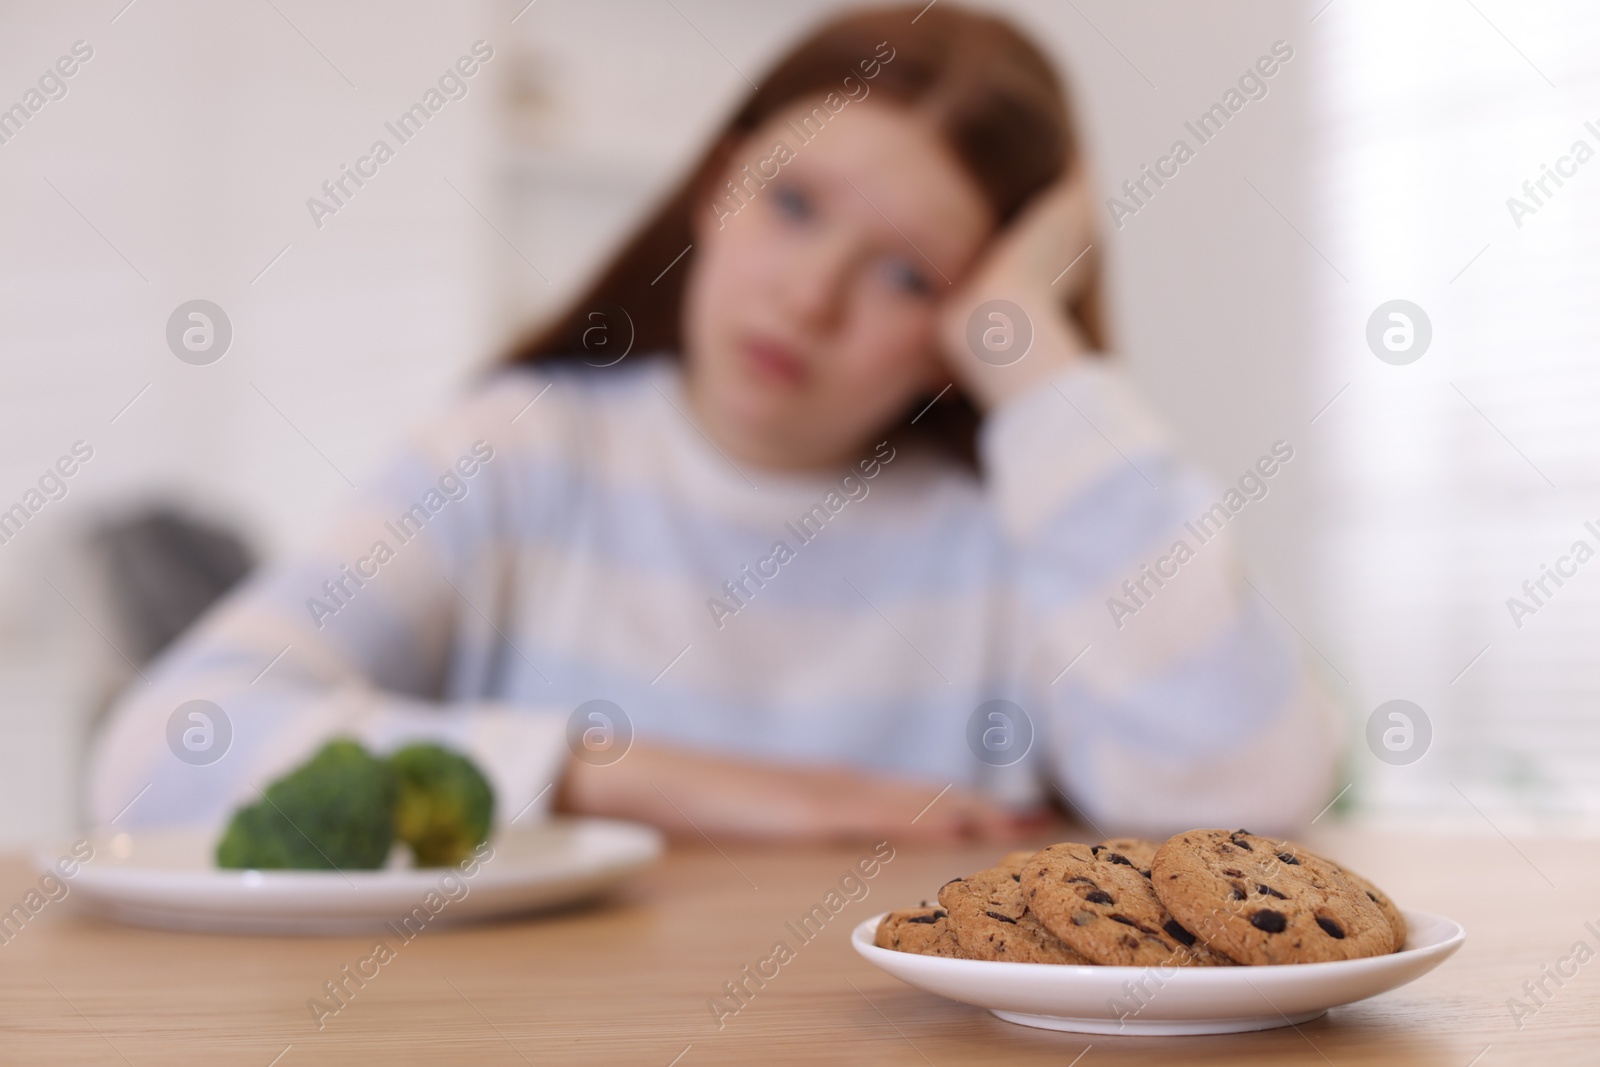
(805,534)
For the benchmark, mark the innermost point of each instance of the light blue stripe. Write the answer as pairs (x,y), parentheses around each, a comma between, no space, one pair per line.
(368,630)
(919,731)
(1220,697)
(942,551)
(1107,531)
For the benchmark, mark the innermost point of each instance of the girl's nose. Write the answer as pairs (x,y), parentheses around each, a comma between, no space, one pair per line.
(813,282)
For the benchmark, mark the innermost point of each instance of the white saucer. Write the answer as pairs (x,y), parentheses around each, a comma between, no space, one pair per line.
(1178,1000)
(169,878)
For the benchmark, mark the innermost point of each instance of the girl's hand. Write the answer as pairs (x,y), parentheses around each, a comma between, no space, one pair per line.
(688,794)
(1026,266)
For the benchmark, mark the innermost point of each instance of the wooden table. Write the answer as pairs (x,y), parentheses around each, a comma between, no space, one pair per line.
(629,980)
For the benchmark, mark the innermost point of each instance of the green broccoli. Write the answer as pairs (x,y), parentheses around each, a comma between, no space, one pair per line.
(334,812)
(445,804)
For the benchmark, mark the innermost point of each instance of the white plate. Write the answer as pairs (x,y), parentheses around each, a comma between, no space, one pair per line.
(1176,1000)
(168,878)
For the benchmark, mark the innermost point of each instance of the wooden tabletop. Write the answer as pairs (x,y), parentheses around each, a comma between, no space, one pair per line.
(630,980)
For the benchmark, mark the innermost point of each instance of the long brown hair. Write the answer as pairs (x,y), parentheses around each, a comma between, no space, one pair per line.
(984,86)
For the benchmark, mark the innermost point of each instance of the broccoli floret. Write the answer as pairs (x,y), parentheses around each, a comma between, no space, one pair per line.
(445,804)
(335,812)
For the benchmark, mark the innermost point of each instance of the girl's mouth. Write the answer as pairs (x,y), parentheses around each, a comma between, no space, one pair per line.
(774,361)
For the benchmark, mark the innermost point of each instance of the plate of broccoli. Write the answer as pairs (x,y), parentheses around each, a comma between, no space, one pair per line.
(352,842)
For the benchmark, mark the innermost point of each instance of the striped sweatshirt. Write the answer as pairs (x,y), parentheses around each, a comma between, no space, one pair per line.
(1070,620)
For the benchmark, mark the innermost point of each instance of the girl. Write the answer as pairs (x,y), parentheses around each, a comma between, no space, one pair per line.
(850,540)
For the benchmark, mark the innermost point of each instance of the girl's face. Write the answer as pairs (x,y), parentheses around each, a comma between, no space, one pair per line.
(811,309)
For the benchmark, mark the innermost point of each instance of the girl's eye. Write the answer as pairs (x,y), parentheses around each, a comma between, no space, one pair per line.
(905,277)
(791,203)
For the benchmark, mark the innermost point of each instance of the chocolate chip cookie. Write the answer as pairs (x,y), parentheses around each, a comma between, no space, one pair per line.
(990,921)
(1136,850)
(1385,905)
(1013,861)
(1374,894)
(925,931)
(1102,906)
(1260,901)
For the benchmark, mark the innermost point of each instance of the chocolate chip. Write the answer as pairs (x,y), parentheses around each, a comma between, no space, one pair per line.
(1118,858)
(1271,921)
(1238,892)
(1139,926)
(1240,842)
(1236,833)
(1094,850)
(1269,891)
(1001,918)
(1331,928)
(1288,857)
(1098,896)
(1171,926)
(1233,872)
(935,917)
(1085,881)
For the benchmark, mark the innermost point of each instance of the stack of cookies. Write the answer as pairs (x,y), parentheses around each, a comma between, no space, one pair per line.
(1204,898)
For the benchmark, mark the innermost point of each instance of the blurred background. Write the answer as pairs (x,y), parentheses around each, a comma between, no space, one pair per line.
(175,164)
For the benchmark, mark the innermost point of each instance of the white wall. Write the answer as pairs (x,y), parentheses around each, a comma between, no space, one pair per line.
(190,142)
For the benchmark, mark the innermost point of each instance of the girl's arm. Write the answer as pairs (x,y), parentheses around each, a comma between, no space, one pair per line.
(383,630)
(394,643)
(689,794)
(1166,698)
(1168,693)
